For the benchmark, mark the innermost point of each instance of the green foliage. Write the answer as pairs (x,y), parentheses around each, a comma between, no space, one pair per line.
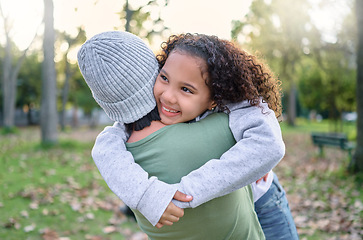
(332,90)
(276,34)
(9,130)
(310,81)
(137,18)
(29,82)
(279,31)
(81,94)
(71,81)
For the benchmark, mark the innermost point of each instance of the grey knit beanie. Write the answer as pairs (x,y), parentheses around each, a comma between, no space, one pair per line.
(120,70)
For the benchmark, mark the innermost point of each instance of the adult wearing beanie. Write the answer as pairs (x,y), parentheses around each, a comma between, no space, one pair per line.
(121,70)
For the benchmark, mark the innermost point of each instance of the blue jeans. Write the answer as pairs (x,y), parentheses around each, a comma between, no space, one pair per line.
(274,214)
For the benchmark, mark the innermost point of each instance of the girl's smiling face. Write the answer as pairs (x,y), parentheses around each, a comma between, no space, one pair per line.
(180,89)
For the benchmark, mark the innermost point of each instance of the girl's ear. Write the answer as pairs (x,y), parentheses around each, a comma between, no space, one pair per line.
(212,106)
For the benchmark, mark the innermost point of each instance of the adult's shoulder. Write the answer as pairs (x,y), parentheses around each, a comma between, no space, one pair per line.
(215,120)
(215,125)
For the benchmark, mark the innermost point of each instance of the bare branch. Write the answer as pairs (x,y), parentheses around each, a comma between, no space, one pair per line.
(16,70)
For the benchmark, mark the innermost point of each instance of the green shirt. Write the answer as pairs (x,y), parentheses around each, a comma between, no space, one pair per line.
(175,150)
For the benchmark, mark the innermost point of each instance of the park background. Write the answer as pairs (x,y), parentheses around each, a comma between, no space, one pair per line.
(51,188)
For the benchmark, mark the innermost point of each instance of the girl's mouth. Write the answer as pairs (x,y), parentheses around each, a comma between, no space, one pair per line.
(169,110)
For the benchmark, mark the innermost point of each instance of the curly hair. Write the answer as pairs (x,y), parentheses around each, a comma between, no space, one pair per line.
(233,74)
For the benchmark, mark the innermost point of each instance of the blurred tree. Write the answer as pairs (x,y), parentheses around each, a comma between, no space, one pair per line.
(301,55)
(336,61)
(138,19)
(81,97)
(311,86)
(357,161)
(68,68)
(48,112)
(327,81)
(282,32)
(10,71)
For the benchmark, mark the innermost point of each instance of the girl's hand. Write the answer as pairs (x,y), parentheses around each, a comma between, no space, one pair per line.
(264,178)
(173,213)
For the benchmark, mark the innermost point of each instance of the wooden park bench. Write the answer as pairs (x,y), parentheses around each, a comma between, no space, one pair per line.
(338,140)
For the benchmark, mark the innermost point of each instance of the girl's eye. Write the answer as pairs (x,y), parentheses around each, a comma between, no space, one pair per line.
(185,89)
(164,78)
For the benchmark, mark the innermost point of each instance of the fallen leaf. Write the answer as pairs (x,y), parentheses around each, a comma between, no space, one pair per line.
(109,229)
(24,214)
(90,237)
(45,212)
(49,234)
(139,236)
(30,228)
(34,205)
(12,223)
(90,216)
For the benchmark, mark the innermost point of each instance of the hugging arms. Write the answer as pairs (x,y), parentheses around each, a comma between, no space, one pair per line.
(258,149)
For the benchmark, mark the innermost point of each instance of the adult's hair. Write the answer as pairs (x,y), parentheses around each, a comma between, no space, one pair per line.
(233,74)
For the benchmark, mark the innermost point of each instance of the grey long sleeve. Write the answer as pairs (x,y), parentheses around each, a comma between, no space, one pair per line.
(258,150)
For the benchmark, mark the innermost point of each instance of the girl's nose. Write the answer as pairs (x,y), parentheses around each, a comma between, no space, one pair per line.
(169,96)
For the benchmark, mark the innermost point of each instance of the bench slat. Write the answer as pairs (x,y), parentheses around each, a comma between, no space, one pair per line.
(332,139)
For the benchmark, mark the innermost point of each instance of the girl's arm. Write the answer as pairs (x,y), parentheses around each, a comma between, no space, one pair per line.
(126,178)
(258,149)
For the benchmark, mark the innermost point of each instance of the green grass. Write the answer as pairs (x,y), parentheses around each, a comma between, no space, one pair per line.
(54,190)
(306,126)
(8,130)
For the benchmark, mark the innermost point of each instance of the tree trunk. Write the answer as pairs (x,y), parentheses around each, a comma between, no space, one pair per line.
(9,87)
(129,14)
(291,113)
(357,161)
(291,106)
(49,116)
(75,122)
(10,75)
(65,93)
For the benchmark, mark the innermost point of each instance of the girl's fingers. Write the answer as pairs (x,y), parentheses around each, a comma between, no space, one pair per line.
(159,225)
(182,197)
(168,223)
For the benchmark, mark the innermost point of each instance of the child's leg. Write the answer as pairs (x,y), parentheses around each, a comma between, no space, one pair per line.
(274,213)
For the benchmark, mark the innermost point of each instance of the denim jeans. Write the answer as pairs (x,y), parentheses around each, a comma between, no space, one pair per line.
(274,214)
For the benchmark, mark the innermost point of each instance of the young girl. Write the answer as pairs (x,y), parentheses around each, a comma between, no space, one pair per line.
(235,76)
(260,145)
(161,149)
